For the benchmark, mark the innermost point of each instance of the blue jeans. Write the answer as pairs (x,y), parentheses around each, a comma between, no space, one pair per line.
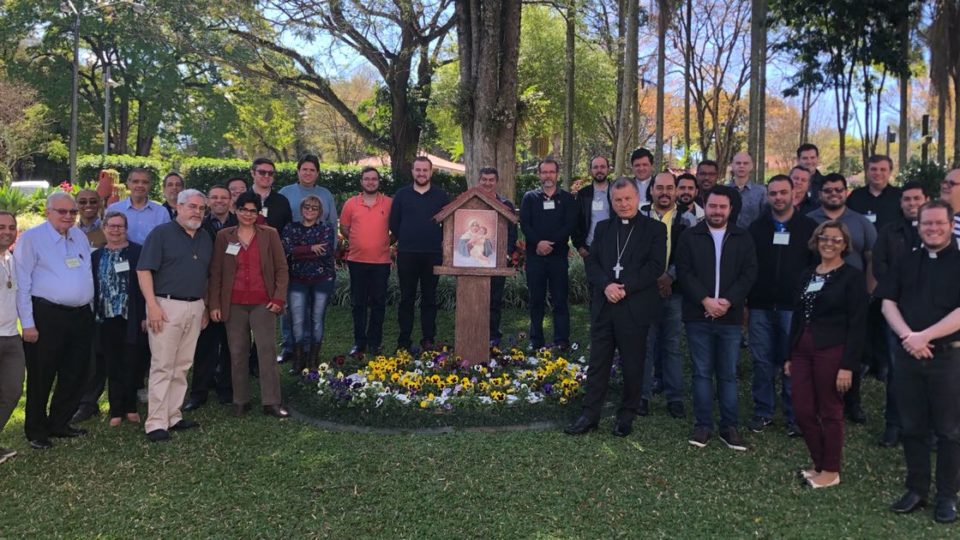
(770,347)
(301,296)
(286,333)
(714,351)
(663,347)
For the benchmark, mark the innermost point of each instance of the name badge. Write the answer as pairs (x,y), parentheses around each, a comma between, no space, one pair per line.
(815,285)
(73,262)
(263,211)
(122,266)
(599,206)
(233,249)
(781,239)
(871,217)
(549,205)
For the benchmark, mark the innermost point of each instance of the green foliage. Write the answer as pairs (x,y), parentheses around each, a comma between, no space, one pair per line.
(929,174)
(14,201)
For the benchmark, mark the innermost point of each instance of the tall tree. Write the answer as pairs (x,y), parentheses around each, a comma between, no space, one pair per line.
(758,82)
(627,102)
(945,62)
(569,79)
(665,11)
(488,33)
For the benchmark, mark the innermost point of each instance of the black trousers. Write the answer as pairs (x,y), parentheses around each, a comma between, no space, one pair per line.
(543,273)
(929,399)
(415,269)
(211,364)
(368,298)
(614,328)
(120,359)
(96,380)
(497,284)
(62,353)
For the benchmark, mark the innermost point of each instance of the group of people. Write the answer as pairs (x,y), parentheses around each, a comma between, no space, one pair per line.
(812,277)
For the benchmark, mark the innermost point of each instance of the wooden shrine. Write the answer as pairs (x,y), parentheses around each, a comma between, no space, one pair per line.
(474,249)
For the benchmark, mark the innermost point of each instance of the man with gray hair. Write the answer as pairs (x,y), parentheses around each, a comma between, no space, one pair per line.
(54,291)
(172,272)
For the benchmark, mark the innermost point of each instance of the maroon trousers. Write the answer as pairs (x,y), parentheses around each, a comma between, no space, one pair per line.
(817,404)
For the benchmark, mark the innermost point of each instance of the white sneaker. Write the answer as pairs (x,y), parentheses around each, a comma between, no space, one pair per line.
(6,453)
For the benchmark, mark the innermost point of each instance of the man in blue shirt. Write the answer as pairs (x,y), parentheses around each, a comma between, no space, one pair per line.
(142,213)
(55,288)
(548,216)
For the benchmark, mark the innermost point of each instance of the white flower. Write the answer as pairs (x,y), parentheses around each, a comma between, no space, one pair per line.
(494,364)
(486,400)
(534,397)
(379,402)
(575,346)
(511,398)
(402,398)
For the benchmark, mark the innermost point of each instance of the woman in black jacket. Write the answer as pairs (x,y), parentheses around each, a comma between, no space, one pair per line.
(828,329)
(120,311)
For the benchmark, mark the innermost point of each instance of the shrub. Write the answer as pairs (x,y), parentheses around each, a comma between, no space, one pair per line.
(929,175)
(14,201)
(89,167)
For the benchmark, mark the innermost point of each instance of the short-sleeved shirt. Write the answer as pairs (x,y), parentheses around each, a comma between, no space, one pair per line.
(369,238)
(862,235)
(140,221)
(180,263)
(925,288)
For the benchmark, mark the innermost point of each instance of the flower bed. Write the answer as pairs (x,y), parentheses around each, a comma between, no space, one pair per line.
(439,381)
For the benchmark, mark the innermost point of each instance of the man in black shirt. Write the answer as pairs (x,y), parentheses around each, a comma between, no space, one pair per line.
(419,244)
(894,242)
(803,202)
(921,301)
(593,205)
(276,208)
(808,157)
(548,216)
(781,236)
(489,178)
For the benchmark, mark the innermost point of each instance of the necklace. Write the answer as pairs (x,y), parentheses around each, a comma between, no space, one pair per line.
(619,267)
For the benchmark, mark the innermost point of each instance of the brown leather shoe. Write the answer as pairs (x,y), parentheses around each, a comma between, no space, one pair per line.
(240,409)
(276,411)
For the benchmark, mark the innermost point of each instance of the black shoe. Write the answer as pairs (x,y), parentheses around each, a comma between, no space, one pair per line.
(158,435)
(375,350)
(676,410)
(41,444)
(193,404)
(285,357)
(225,400)
(891,437)
(908,503)
(184,424)
(276,411)
(581,426)
(856,414)
(945,511)
(623,427)
(562,346)
(644,409)
(69,432)
(357,349)
(699,437)
(793,430)
(731,437)
(84,412)
(758,423)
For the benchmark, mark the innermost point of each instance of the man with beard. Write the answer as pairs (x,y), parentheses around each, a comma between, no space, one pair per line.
(663,347)
(628,257)
(489,177)
(708,171)
(548,216)
(419,244)
(803,202)
(687,194)
(894,242)
(863,235)
(172,273)
(593,205)
(781,238)
(921,302)
(716,266)
(172,186)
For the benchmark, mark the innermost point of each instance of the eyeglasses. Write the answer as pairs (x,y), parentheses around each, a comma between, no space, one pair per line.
(115,227)
(196,207)
(247,211)
(835,240)
(88,201)
(264,172)
(934,223)
(311,207)
(828,191)
(949,184)
(64,211)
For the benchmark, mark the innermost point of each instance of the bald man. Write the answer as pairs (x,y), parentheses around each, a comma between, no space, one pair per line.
(752,196)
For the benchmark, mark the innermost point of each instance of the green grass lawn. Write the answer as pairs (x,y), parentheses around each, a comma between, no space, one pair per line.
(259,477)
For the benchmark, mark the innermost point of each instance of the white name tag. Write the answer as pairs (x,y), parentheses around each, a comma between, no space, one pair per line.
(233,249)
(781,239)
(549,205)
(122,266)
(871,217)
(599,206)
(815,285)
(73,262)
(263,212)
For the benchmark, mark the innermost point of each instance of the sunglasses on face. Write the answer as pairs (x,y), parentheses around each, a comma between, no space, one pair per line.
(64,211)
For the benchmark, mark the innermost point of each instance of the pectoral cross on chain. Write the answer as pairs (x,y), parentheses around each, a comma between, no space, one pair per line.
(616,270)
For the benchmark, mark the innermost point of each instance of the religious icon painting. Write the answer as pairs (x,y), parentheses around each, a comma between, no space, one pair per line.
(475,237)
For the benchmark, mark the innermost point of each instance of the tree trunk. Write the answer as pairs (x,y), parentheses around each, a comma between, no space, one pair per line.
(621,43)
(687,53)
(758,50)
(941,127)
(488,33)
(569,70)
(956,122)
(629,96)
(904,128)
(663,18)
(123,120)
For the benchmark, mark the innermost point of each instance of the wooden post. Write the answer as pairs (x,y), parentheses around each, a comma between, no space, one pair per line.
(472,335)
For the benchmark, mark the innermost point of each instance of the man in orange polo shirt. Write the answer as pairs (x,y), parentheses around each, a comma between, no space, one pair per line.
(364,221)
